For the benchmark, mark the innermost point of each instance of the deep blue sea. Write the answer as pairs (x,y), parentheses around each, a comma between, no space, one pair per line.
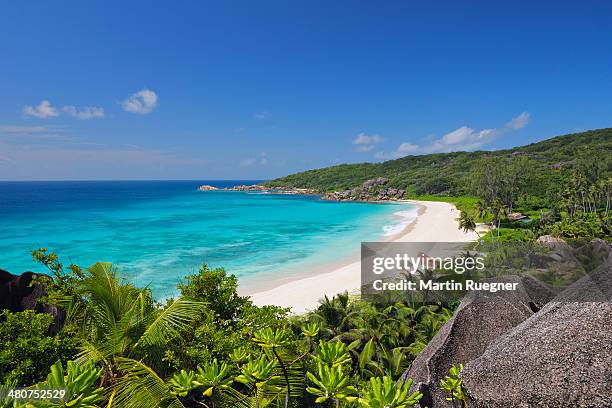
(156,232)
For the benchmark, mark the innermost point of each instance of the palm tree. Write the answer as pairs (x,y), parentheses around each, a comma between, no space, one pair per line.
(126,333)
(467,223)
(481,209)
(333,312)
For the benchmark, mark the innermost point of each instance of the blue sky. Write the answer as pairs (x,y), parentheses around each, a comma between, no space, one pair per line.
(251,90)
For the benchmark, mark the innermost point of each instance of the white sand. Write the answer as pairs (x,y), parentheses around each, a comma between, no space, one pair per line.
(436,223)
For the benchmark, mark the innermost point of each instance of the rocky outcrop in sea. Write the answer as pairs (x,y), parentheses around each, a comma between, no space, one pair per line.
(206,187)
(261,188)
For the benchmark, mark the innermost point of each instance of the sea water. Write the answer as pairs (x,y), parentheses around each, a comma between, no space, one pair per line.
(156,232)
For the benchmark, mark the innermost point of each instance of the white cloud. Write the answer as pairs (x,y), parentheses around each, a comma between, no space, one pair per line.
(402,150)
(247,162)
(464,138)
(43,110)
(87,112)
(262,160)
(86,160)
(366,143)
(21,130)
(407,148)
(141,102)
(457,136)
(46,110)
(6,161)
(26,134)
(261,115)
(519,122)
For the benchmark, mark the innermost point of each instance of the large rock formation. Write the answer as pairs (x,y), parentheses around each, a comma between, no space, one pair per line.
(370,190)
(479,320)
(560,357)
(380,181)
(248,187)
(560,251)
(526,349)
(19,293)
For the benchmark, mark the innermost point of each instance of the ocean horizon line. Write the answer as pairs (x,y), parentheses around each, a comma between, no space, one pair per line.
(128,180)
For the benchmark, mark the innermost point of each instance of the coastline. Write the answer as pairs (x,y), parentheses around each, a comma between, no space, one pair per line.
(250,286)
(435,222)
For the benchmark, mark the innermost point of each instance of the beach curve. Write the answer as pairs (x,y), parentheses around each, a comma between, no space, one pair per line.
(436,222)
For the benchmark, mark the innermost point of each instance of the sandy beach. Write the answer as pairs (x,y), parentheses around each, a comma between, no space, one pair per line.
(436,222)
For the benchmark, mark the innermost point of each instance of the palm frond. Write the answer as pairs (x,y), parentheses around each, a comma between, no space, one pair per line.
(102,288)
(89,352)
(235,399)
(169,322)
(141,387)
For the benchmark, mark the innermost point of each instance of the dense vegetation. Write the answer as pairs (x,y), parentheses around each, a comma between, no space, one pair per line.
(449,173)
(211,347)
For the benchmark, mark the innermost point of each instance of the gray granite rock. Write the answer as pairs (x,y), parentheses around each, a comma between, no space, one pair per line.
(559,357)
(379,181)
(560,250)
(480,320)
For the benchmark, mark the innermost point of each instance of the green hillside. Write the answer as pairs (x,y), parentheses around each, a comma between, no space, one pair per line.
(448,173)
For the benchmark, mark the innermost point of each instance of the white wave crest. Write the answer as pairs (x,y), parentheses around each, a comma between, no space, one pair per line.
(401,219)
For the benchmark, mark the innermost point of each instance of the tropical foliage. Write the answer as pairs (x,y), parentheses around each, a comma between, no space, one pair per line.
(453,384)
(28,349)
(130,350)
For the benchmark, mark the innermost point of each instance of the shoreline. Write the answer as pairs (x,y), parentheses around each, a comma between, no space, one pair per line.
(435,222)
(254,285)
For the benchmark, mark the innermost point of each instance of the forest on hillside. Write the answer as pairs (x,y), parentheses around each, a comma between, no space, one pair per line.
(548,162)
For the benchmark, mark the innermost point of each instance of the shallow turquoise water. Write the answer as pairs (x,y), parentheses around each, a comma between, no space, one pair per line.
(157,232)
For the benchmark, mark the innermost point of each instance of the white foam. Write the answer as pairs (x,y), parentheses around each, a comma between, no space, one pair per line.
(401,220)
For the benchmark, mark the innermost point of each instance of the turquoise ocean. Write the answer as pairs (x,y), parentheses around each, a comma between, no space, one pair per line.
(156,232)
